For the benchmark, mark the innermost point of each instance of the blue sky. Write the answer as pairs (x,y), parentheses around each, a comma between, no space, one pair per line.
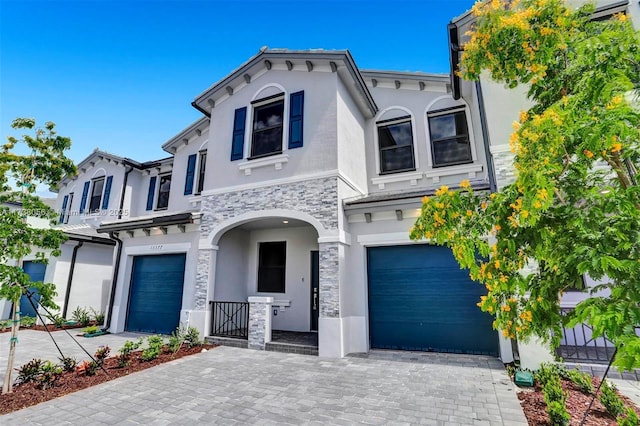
(121,75)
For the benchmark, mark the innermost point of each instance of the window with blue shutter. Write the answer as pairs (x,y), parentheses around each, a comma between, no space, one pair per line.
(152,190)
(107,191)
(191,173)
(296,111)
(63,213)
(85,193)
(237,143)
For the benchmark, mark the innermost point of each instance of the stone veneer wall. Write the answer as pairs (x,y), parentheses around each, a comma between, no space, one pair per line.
(318,198)
(329,280)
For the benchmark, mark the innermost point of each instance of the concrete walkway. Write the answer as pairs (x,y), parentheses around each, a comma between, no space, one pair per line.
(230,386)
(38,344)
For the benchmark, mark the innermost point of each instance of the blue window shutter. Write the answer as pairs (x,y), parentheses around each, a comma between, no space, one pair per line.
(65,200)
(296,112)
(85,193)
(191,172)
(237,143)
(152,190)
(107,192)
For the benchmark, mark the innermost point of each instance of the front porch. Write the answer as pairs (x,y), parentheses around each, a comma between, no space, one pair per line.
(305,343)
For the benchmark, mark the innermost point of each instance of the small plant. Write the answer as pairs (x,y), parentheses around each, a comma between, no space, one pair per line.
(87,368)
(631,418)
(192,337)
(81,316)
(56,319)
(124,357)
(27,321)
(49,373)
(583,380)
(548,371)
(154,348)
(91,329)
(98,316)
(176,339)
(611,400)
(555,398)
(6,324)
(29,371)
(101,354)
(68,363)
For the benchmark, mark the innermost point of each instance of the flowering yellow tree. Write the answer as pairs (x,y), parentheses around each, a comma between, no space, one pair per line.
(574,208)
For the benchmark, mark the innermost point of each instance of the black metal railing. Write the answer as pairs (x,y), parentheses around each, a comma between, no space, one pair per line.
(579,345)
(230,319)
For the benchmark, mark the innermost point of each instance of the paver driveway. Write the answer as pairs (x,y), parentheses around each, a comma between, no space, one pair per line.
(230,386)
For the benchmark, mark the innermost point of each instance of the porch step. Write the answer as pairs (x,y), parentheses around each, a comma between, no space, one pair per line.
(227,341)
(292,348)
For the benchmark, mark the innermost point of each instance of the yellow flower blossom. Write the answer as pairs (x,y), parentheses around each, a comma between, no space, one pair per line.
(616,147)
(524,115)
(588,153)
(465,183)
(425,199)
(469,213)
(442,190)
(537,204)
(524,214)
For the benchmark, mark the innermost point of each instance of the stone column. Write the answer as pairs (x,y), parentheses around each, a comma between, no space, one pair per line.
(259,322)
(200,315)
(329,280)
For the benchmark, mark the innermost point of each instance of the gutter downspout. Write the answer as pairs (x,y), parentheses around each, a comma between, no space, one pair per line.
(493,187)
(72,268)
(114,279)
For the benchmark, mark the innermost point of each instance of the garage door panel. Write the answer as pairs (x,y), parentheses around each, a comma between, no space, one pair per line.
(155,298)
(420,299)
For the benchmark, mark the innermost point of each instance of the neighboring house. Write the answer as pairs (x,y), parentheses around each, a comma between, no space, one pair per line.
(296,191)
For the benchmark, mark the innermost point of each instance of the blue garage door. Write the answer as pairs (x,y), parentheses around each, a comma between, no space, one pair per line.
(155,298)
(35,270)
(420,299)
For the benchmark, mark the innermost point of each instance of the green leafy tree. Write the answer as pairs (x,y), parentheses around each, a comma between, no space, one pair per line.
(43,162)
(574,207)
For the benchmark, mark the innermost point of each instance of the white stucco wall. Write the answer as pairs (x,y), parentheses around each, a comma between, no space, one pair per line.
(300,242)
(319,151)
(92,277)
(232,267)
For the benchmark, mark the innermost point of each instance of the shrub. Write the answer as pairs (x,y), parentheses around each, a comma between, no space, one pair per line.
(583,380)
(91,329)
(154,348)
(27,321)
(82,316)
(631,418)
(68,363)
(98,316)
(176,339)
(5,324)
(124,357)
(29,371)
(558,414)
(56,319)
(88,368)
(192,337)
(610,399)
(49,373)
(547,371)
(101,354)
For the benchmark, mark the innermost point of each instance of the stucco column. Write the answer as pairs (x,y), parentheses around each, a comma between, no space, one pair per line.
(259,322)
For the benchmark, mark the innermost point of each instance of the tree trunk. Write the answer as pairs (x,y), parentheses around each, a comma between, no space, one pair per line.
(7,387)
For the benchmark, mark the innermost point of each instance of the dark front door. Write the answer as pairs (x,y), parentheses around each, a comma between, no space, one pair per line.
(420,299)
(35,270)
(315,288)
(155,297)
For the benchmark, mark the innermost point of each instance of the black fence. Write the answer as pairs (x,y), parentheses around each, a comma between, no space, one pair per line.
(579,345)
(230,319)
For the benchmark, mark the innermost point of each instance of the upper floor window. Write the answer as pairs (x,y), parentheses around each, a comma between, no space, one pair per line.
(66,208)
(163,192)
(449,138)
(96,195)
(395,142)
(201,171)
(267,128)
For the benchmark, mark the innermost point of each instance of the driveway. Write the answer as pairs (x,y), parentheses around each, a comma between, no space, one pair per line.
(230,386)
(38,344)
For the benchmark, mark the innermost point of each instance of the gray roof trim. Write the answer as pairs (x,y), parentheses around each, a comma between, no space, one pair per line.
(343,56)
(146,222)
(202,123)
(385,198)
(407,75)
(86,238)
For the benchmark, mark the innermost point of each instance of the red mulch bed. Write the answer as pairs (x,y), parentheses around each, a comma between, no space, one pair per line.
(51,327)
(535,409)
(28,394)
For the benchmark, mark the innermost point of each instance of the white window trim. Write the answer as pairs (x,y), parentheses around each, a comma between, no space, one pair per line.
(467,113)
(248,136)
(156,195)
(274,160)
(96,212)
(379,117)
(412,177)
(196,177)
(471,169)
